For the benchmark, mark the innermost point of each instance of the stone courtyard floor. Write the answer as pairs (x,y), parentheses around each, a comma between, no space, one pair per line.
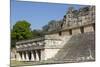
(21,63)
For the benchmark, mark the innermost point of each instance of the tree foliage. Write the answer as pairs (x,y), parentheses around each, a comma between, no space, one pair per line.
(37,33)
(21,31)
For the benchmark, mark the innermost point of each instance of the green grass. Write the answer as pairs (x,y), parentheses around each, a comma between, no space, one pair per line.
(21,63)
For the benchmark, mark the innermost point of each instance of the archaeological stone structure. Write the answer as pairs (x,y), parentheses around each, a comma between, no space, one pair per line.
(75,24)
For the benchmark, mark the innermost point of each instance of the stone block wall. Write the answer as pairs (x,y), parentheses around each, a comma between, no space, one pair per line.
(88,29)
(65,33)
(49,53)
(76,31)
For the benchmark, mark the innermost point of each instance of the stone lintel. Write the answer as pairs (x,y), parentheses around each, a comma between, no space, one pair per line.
(29,41)
(30,48)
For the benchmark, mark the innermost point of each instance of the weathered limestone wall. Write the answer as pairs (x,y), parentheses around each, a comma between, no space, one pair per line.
(49,53)
(65,33)
(49,43)
(88,29)
(79,30)
(76,31)
(18,57)
(13,54)
(53,46)
(54,35)
(43,54)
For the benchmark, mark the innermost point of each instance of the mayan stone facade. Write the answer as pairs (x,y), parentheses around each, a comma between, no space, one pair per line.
(74,22)
(82,18)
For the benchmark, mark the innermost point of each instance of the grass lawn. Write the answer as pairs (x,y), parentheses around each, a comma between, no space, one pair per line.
(21,63)
(32,63)
(26,63)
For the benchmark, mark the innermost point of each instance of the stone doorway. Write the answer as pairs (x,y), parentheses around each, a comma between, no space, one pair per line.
(29,55)
(39,54)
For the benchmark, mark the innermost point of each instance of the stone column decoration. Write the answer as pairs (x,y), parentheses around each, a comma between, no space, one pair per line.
(20,53)
(23,57)
(37,57)
(18,56)
(27,56)
(42,55)
(32,56)
(34,52)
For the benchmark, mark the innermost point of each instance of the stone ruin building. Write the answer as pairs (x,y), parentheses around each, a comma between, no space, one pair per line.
(71,40)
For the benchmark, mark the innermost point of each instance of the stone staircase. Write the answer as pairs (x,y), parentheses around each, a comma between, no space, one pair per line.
(79,47)
(64,39)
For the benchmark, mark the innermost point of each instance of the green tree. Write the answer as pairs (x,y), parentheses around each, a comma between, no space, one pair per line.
(21,31)
(37,33)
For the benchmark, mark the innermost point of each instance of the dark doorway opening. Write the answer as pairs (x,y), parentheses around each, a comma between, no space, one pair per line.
(60,33)
(20,54)
(25,55)
(29,54)
(34,53)
(39,54)
(70,31)
(94,27)
(82,29)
